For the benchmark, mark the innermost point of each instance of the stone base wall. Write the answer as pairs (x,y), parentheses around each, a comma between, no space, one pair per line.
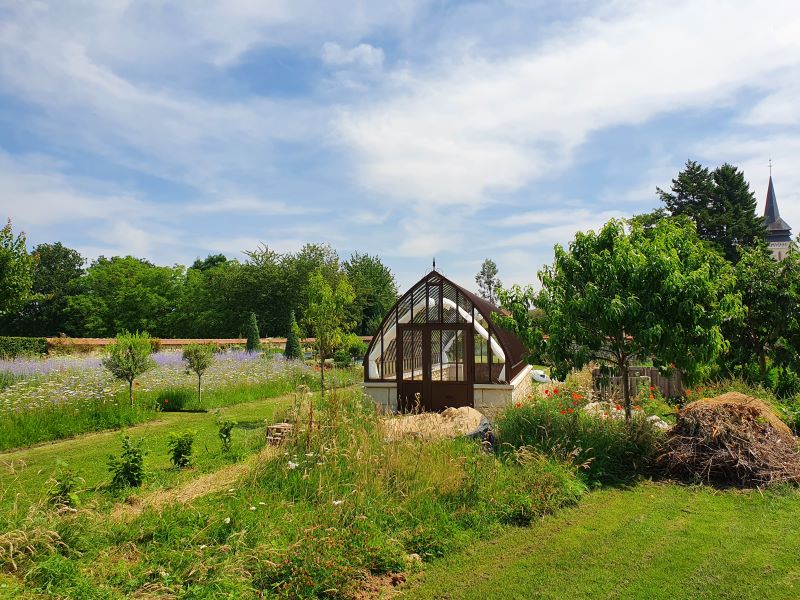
(488,399)
(384,395)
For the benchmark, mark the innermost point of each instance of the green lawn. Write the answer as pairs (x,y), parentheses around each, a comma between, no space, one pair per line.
(24,473)
(651,541)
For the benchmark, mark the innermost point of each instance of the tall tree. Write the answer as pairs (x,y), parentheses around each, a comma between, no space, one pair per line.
(16,270)
(57,271)
(375,291)
(769,327)
(721,205)
(124,294)
(292,349)
(326,315)
(620,295)
(488,282)
(253,337)
(210,261)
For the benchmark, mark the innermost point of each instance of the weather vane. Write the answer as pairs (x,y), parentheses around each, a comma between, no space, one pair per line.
(434,263)
(770,167)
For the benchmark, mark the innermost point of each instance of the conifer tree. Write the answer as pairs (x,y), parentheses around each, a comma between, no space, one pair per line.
(253,336)
(292,349)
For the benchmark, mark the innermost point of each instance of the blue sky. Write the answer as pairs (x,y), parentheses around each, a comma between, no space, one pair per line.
(461,130)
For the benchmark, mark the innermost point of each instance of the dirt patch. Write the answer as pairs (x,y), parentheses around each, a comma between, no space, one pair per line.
(732,439)
(450,423)
(191,490)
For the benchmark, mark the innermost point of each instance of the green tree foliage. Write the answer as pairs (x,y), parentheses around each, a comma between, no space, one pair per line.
(721,205)
(198,358)
(292,349)
(124,294)
(128,357)
(327,315)
(209,262)
(375,291)
(488,281)
(179,448)
(253,336)
(769,327)
(16,270)
(620,295)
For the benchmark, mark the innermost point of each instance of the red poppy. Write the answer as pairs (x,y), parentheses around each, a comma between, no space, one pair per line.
(518,405)
(572,410)
(166,401)
(555,391)
(618,407)
(563,412)
(547,392)
(576,396)
(652,388)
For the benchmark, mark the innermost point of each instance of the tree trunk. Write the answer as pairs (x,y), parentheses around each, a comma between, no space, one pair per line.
(626,389)
(762,363)
(322,373)
(130,391)
(199,393)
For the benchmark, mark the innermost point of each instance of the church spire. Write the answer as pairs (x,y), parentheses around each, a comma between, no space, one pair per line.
(771,212)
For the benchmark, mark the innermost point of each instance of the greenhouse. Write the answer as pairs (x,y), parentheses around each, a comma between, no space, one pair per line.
(438,347)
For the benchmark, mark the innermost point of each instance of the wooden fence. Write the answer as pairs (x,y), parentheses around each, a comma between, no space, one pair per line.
(66,344)
(670,387)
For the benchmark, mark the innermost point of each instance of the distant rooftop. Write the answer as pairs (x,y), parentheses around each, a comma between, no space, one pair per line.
(778,230)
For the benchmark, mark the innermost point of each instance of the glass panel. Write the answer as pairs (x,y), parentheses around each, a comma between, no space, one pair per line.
(481,359)
(412,355)
(434,303)
(466,305)
(498,366)
(450,315)
(436,355)
(418,299)
(453,352)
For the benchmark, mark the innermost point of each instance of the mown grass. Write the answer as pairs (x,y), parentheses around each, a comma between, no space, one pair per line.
(24,473)
(338,506)
(651,541)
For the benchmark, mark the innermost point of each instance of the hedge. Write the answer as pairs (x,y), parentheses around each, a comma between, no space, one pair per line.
(11,347)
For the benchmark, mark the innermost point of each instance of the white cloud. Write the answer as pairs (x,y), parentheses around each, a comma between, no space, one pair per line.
(363,54)
(454,133)
(245,205)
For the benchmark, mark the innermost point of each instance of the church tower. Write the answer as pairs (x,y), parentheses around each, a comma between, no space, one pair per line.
(778,231)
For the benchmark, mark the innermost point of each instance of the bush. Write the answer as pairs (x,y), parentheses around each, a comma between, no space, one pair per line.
(128,468)
(180,448)
(174,399)
(226,433)
(11,347)
(64,488)
(787,384)
(608,450)
(342,358)
(253,336)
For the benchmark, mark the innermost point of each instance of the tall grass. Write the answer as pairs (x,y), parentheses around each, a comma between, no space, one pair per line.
(335,505)
(611,450)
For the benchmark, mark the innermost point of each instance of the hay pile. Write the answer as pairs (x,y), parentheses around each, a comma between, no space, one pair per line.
(732,439)
(450,423)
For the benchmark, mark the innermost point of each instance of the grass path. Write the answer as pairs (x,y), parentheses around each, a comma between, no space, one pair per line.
(651,541)
(24,473)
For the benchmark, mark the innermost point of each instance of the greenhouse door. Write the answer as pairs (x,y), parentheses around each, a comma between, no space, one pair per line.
(434,366)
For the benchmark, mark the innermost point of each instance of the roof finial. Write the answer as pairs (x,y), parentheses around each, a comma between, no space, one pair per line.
(770,167)
(434,263)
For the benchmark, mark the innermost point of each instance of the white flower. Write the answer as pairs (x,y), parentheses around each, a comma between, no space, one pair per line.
(252,508)
(227,520)
(262,503)
(338,502)
(292,465)
(203,546)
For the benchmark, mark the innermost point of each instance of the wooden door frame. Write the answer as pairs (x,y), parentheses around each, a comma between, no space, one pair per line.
(427,383)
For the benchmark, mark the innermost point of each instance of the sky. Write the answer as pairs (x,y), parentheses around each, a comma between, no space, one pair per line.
(410,130)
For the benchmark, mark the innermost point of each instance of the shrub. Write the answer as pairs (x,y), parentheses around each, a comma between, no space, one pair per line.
(64,488)
(293,349)
(128,357)
(787,384)
(174,399)
(253,336)
(128,468)
(11,347)
(226,433)
(609,450)
(180,448)
(198,358)
(342,358)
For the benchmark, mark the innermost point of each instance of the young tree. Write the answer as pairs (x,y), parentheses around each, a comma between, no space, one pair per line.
(253,337)
(16,270)
(488,282)
(292,349)
(198,358)
(129,356)
(326,315)
(618,295)
(721,205)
